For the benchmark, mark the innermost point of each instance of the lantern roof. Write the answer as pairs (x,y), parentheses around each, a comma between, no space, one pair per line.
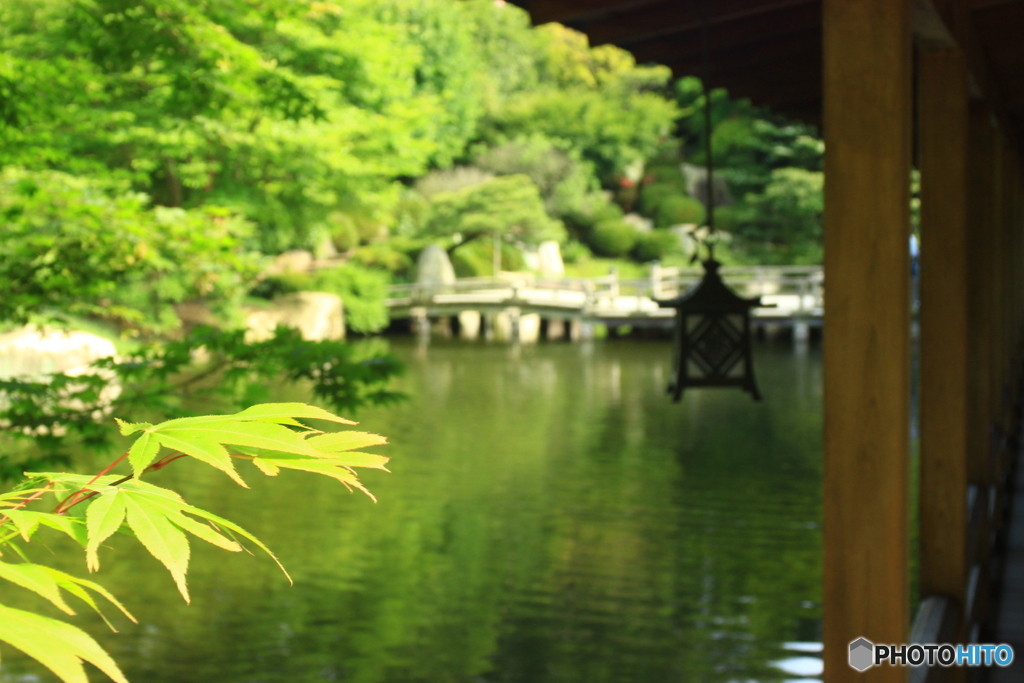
(711,295)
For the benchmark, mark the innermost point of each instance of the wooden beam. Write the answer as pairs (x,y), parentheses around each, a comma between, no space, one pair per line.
(724,37)
(666,18)
(796,46)
(568,11)
(867,97)
(945,368)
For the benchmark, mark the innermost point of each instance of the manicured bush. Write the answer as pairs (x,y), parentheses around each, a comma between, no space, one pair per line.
(612,238)
(385,256)
(343,231)
(656,245)
(652,195)
(574,252)
(679,210)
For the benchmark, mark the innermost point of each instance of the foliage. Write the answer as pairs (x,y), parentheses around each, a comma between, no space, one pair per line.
(783,224)
(81,246)
(362,290)
(564,182)
(90,510)
(476,258)
(385,256)
(679,210)
(612,130)
(612,238)
(656,245)
(507,206)
(57,411)
(283,112)
(451,180)
(574,252)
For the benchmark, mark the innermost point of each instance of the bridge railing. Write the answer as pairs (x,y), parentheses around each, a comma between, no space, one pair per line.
(800,287)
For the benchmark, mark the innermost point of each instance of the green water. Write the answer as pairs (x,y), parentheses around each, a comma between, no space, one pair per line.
(550,516)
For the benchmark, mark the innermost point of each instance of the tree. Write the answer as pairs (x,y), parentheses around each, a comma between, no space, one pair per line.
(506,206)
(82,246)
(783,224)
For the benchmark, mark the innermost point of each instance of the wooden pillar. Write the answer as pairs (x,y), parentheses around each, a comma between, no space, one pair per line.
(980,316)
(867,127)
(945,225)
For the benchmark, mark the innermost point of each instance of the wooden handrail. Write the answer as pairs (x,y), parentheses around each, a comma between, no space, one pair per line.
(937,620)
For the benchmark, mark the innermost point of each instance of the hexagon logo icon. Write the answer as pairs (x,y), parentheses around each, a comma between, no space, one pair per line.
(862,654)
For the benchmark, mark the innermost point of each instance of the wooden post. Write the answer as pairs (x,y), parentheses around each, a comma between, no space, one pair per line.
(942,145)
(867,127)
(980,314)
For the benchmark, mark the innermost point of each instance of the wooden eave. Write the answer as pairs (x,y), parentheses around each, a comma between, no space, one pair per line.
(770,50)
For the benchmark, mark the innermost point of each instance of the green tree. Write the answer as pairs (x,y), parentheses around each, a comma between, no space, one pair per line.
(507,206)
(80,246)
(783,224)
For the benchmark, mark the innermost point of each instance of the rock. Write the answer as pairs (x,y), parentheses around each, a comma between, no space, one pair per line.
(295,261)
(196,313)
(318,316)
(35,353)
(326,249)
(640,223)
(433,267)
(549,257)
(531,259)
(31,353)
(696,186)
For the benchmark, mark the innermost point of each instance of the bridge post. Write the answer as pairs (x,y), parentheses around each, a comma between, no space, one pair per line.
(420,322)
(556,329)
(656,280)
(469,325)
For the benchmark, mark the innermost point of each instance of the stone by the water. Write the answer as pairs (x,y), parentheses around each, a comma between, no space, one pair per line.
(318,316)
(34,352)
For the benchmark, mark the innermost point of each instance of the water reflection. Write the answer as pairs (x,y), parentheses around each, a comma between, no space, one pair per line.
(552,517)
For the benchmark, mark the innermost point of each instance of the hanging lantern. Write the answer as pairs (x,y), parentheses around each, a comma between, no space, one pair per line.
(712,336)
(711,347)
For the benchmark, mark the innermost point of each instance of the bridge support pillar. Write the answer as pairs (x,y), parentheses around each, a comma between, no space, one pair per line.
(442,327)
(556,329)
(469,325)
(501,326)
(529,328)
(420,322)
(801,332)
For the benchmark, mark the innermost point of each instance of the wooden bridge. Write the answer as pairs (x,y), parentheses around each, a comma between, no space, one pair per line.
(793,296)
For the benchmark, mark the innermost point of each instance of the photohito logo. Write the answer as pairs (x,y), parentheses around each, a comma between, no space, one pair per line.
(864,654)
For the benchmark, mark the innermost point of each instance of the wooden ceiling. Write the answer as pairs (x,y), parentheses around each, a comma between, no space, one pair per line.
(770,50)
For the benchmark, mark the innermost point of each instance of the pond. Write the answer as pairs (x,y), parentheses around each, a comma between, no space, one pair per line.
(550,516)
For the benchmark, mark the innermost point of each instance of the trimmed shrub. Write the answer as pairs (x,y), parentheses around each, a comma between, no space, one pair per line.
(384,256)
(656,245)
(651,196)
(343,231)
(574,252)
(612,238)
(679,210)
